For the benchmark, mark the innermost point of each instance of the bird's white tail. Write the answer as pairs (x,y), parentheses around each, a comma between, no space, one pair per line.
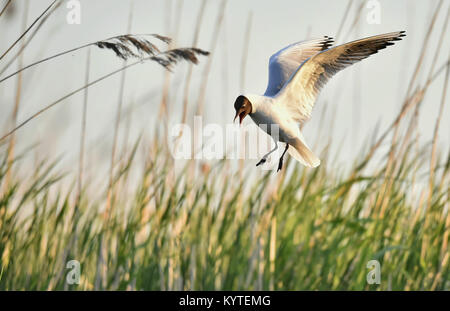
(301,153)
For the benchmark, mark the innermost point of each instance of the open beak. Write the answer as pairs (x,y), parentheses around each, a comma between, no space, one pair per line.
(241,115)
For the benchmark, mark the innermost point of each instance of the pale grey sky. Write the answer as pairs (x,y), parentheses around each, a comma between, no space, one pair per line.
(361,96)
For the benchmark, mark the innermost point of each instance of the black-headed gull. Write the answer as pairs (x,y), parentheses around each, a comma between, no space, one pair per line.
(297,73)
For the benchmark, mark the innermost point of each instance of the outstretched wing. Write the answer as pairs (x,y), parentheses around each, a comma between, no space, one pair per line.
(285,62)
(300,92)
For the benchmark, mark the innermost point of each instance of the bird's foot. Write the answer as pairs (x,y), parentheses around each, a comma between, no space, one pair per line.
(280,165)
(262,161)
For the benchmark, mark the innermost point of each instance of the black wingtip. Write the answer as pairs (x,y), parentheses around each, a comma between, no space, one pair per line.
(399,36)
(327,42)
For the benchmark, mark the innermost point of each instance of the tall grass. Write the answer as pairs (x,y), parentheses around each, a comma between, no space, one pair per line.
(317,231)
(303,229)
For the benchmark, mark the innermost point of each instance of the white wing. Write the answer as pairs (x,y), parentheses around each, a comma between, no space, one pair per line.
(285,62)
(300,92)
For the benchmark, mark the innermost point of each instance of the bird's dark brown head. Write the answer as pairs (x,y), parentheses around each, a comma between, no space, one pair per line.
(243,107)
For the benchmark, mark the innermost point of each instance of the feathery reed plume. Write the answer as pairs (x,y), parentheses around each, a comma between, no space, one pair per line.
(130,45)
(167,59)
(123,47)
(171,57)
(164,39)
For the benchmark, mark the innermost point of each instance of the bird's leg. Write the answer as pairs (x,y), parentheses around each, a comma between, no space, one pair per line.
(280,164)
(264,158)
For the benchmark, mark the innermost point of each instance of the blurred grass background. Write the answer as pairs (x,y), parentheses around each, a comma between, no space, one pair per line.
(153,223)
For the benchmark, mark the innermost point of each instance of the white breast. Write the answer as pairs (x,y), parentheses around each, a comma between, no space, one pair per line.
(270,118)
